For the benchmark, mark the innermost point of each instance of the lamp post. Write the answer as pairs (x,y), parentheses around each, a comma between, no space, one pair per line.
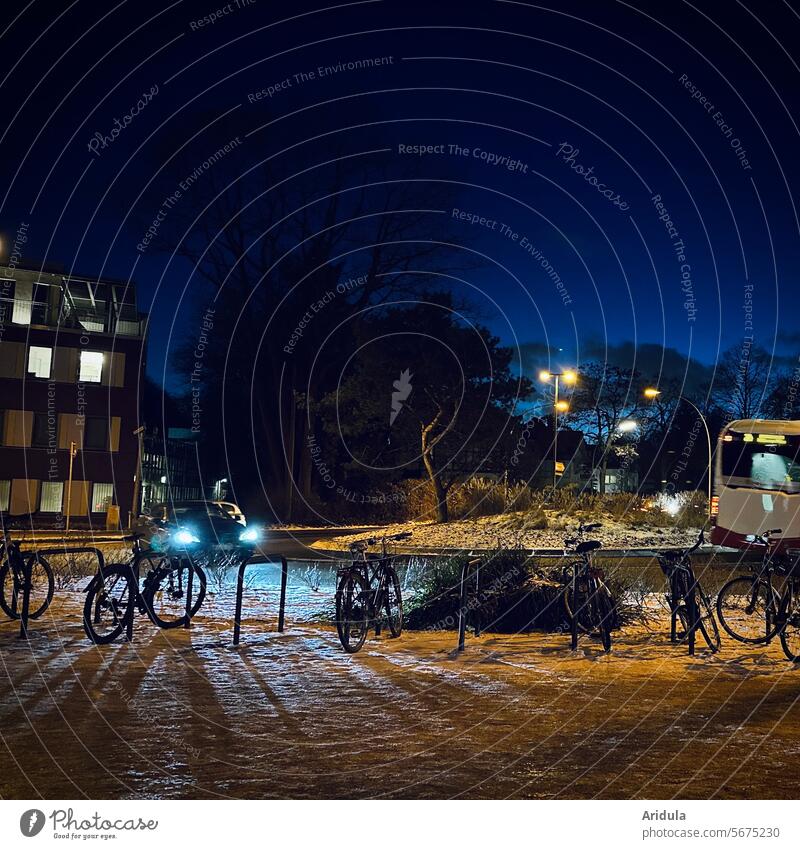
(139,433)
(73,450)
(569,377)
(652,393)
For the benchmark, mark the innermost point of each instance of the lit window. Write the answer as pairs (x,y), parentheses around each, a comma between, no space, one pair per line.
(5,493)
(91,366)
(39,360)
(52,493)
(102,496)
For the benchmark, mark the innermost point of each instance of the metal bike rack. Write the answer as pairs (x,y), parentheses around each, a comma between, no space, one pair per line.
(29,558)
(237,621)
(462,604)
(692,614)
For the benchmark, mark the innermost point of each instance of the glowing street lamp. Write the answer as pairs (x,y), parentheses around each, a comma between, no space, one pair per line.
(627,425)
(570,377)
(652,393)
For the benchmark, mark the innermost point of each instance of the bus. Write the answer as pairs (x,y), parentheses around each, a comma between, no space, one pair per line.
(757,482)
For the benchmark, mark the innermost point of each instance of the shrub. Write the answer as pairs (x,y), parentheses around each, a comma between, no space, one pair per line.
(512,595)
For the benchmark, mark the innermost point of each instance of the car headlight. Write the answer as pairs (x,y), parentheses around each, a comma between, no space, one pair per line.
(184,537)
(250,535)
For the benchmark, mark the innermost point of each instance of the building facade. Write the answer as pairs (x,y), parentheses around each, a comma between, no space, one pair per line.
(170,467)
(71,358)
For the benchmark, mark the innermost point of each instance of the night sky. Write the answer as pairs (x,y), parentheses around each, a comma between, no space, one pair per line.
(628,170)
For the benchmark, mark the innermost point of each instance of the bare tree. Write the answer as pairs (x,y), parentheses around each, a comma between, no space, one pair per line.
(604,397)
(743,381)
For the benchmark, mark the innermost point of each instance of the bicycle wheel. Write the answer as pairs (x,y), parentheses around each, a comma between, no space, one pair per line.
(42,588)
(706,621)
(790,615)
(165,589)
(745,610)
(394,603)
(352,611)
(110,600)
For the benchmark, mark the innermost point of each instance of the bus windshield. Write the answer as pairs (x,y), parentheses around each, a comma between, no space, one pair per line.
(762,461)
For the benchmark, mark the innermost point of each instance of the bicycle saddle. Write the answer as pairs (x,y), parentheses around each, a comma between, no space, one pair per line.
(589,545)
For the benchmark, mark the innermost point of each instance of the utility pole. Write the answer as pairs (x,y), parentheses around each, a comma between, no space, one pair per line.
(569,376)
(73,450)
(139,434)
(652,393)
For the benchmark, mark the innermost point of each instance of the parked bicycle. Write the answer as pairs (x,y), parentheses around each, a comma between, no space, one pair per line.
(752,610)
(15,565)
(687,600)
(588,601)
(368,593)
(171,593)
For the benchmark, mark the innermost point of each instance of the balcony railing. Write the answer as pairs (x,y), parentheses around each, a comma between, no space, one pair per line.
(22,312)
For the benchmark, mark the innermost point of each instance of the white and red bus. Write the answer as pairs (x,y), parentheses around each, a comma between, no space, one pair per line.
(757,482)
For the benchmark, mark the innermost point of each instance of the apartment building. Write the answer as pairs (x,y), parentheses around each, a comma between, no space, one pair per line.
(71,356)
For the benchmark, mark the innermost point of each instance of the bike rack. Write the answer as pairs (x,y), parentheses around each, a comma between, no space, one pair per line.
(237,620)
(27,577)
(692,614)
(462,604)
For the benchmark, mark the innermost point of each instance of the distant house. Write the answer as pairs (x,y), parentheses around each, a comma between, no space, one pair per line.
(170,467)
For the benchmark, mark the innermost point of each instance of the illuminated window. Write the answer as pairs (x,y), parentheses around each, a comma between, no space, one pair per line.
(5,493)
(39,360)
(102,496)
(52,493)
(91,370)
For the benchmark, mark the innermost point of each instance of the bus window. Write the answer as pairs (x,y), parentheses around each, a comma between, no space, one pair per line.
(747,462)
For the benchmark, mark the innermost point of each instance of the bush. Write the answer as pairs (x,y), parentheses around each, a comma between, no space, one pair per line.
(513,595)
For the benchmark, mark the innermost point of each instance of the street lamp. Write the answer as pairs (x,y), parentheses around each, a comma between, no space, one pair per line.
(627,425)
(652,393)
(570,377)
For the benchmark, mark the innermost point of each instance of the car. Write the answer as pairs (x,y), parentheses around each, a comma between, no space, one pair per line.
(191,525)
(233,510)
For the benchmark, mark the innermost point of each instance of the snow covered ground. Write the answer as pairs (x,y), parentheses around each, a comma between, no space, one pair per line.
(185,714)
(510,531)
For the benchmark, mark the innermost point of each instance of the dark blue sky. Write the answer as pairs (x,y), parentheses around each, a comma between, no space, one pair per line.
(695,104)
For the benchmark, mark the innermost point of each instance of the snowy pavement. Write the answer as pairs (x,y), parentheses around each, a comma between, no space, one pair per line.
(184,714)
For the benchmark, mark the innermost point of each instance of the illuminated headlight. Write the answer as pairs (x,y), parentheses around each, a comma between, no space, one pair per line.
(250,535)
(185,537)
